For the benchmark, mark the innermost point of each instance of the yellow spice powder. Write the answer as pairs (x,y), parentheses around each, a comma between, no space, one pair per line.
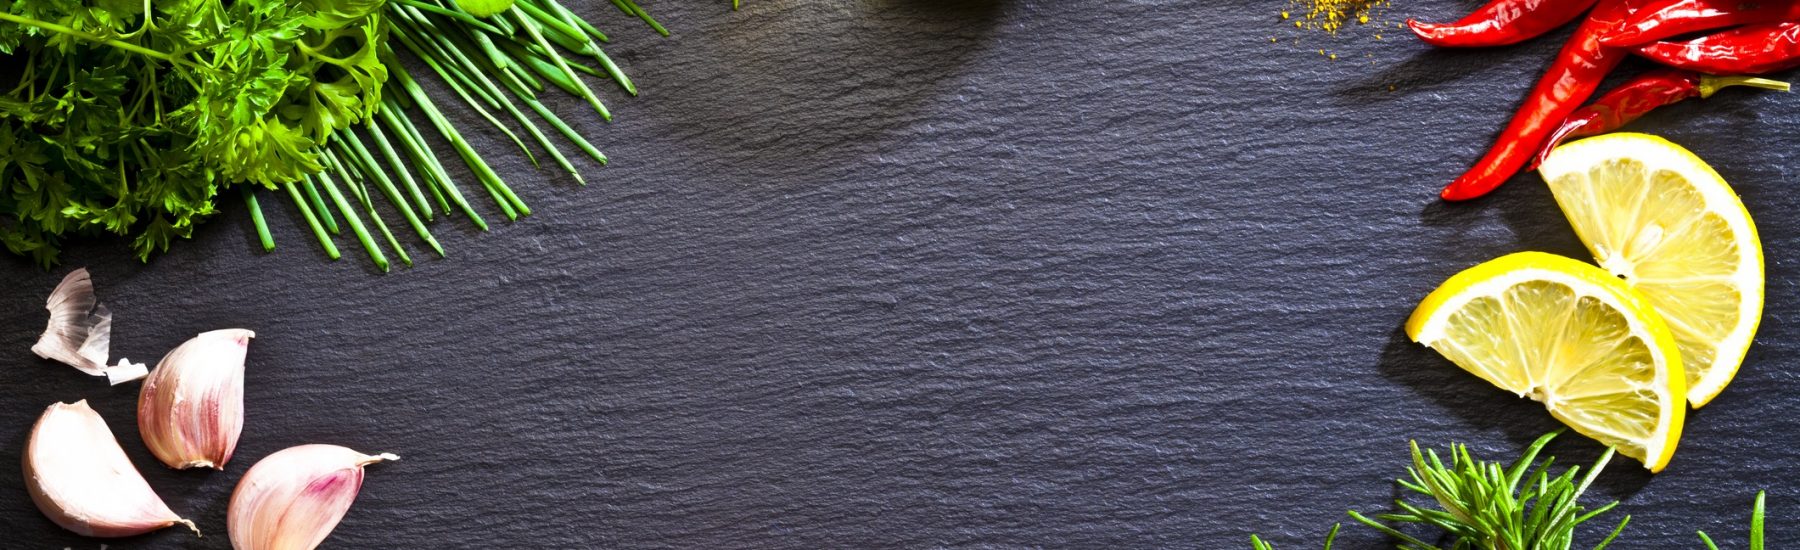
(1332,15)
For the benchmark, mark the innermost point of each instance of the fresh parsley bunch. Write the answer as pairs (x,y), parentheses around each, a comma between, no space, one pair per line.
(127,117)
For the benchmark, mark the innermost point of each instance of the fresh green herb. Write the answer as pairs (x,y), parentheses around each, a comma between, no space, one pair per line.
(129,120)
(129,117)
(1257,543)
(485,8)
(1756,527)
(1483,505)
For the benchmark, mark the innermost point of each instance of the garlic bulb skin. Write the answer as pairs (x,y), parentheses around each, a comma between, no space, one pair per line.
(191,408)
(79,476)
(291,500)
(80,331)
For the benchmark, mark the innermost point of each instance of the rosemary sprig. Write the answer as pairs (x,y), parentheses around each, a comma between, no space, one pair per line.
(1481,505)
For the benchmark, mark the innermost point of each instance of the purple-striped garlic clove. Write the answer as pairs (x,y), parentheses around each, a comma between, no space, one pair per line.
(191,408)
(79,476)
(291,500)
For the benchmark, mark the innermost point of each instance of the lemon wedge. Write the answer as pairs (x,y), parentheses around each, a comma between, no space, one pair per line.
(1568,335)
(1659,217)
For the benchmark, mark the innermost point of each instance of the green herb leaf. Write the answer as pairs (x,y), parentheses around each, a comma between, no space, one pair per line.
(484,8)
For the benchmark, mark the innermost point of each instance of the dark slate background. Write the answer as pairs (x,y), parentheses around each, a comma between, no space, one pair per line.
(935,273)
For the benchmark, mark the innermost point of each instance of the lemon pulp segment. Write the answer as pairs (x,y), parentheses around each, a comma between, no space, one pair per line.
(1659,217)
(1568,335)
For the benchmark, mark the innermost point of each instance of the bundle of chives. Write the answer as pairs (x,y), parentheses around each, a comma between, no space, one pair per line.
(489,63)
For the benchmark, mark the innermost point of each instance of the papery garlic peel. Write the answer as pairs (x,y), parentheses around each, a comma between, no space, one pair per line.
(80,331)
(79,476)
(191,408)
(292,499)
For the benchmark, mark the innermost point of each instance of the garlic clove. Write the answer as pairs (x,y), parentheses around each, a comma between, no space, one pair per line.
(291,500)
(79,476)
(80,331)
(191,408)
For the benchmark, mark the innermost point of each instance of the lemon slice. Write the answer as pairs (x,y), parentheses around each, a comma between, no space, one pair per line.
(1569,335)
(1656,215)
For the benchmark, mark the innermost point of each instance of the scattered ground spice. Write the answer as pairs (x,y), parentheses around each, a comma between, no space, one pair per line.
(1335,17)
(1332,15)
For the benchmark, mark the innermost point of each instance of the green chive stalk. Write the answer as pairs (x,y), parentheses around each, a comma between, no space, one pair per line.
(489,64)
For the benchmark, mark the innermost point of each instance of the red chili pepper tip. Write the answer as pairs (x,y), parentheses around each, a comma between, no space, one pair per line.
(1666,19)
(1577,71)
(1753,49)
(1501,22)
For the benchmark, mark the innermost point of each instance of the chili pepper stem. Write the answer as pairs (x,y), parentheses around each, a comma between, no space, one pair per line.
(1710,85)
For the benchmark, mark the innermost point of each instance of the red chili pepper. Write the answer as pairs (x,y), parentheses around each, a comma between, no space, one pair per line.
(1670,18)
(1502,22)
(1755,49)
(1643,94)
(1572,78)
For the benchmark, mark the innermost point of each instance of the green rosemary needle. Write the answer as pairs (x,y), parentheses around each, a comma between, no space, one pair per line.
(1756,527)
(1484,506)
(1481,505)
(1257,543)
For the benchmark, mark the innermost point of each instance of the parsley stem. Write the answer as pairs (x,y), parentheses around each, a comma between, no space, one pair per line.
(97,39)
(355,222)
(510,203)
(443,42)
(558,59)
(526,87)
(595,51)
(424,159)
(506,25)
(487,44)
(399,166)
(545,69)
(555,26)
(318,204)
(505,207)
(631,8)
(363,160)
(577,21)
(312,221)
(542,54)
(505,61)
(256,218)
(564,129)
(422,36)
(441,178)
(520,89)
(451,77)
(613,69)
(361,191)
(460,16)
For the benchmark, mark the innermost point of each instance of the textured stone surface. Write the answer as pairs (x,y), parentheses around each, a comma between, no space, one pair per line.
(919,273)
